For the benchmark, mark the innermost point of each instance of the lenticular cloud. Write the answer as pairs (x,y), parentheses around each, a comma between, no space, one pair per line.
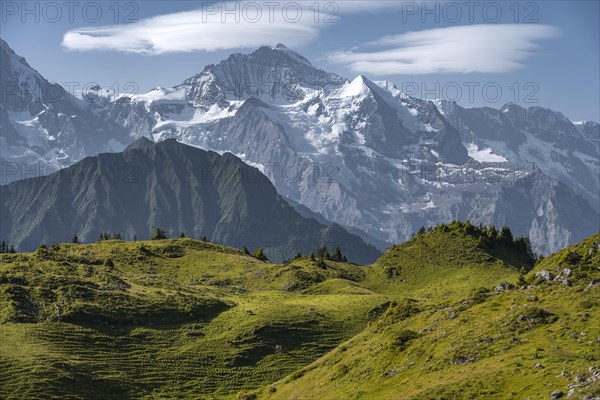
(488,48)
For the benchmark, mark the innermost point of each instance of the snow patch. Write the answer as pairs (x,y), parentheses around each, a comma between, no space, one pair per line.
(483,155)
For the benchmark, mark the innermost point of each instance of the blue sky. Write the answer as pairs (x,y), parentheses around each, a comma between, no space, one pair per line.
(478,53)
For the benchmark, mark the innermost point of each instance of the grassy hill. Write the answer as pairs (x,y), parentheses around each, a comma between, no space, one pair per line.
(156,319)
(524,343)
(183,318)
(447,262)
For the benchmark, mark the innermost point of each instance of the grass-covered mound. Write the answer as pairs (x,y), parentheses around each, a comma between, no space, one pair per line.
(449,260)
(523,342)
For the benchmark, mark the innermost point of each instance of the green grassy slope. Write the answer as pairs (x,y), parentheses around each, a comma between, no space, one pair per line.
(183,318)
(445,263)
(159,319)
(516,344)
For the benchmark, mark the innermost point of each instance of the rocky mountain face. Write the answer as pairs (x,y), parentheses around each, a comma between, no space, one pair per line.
(365,155)
(169,185)
(42,126)
(567,151)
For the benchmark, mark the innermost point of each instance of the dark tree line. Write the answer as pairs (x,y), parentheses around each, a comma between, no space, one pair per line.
(6,248)
(322,255)
(487,236)
(106,236)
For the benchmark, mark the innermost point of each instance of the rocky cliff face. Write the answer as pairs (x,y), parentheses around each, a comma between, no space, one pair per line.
(567,151)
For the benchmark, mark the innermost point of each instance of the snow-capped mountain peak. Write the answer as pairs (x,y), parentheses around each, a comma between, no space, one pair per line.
(21,84)
(356,88)
(291,53)
(43,127)
(275,75)
(361,153)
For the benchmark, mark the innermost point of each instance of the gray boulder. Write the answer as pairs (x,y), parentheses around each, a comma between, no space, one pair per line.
(564,274)
(504,286)
(545,275)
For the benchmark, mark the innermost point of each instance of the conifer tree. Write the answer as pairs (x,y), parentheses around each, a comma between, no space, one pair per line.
(321,252)
(492,232)
(481,242)
(321,263)
(159,234)
(75,239)
(337,254)
(505,234)
(260,254)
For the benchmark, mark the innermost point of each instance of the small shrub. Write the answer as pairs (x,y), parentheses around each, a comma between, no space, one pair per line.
(587,304)
(145,251)
(404,309)
(479,295)
(172,251)
(400,340)
(378,311)
(260,254)
(391,271)
(42,252)
(108,263)
(529,318)
(246,396)
(570,258)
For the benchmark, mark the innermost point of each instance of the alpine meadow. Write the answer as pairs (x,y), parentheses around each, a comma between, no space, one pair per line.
(357,200)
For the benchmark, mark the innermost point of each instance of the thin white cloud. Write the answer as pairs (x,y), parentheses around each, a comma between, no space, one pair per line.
(488,48)
(213,28)
(194,31)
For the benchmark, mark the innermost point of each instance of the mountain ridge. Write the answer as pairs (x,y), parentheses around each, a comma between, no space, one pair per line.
(381,161)
(167,185)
